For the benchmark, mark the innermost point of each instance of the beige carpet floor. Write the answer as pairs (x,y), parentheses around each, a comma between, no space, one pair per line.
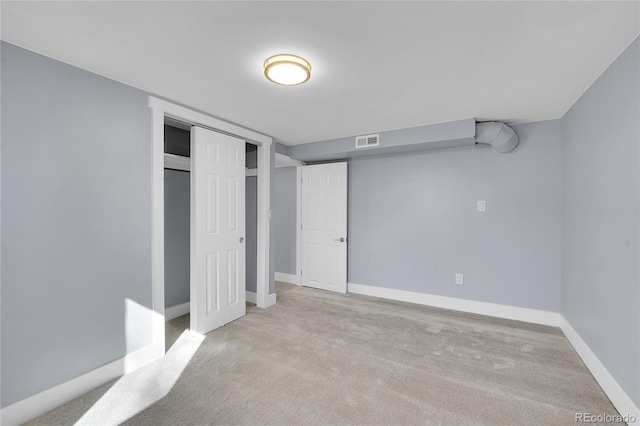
(323,358)
(173,330)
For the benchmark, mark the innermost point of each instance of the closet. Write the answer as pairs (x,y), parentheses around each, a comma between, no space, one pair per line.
(177,137)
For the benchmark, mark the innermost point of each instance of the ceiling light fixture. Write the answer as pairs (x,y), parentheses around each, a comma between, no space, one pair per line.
(287,70)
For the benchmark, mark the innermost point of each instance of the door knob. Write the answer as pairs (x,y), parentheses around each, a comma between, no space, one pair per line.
(241,240)
(341,239)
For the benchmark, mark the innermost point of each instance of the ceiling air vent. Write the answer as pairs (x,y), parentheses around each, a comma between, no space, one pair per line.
(367,141)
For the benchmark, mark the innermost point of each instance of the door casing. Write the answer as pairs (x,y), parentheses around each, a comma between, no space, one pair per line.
(160,110)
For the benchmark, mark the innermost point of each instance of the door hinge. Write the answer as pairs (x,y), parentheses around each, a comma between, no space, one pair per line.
(300,226)
(300,271)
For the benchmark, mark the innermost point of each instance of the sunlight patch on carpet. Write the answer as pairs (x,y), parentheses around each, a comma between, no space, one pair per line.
(139,390)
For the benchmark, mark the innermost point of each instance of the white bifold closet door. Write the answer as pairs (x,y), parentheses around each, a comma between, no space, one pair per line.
(323,237)
(217,229)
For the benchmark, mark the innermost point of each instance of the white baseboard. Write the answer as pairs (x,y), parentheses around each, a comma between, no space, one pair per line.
(616,394)
(142,357)
(176,311)
(271,300)
(179,310)
(287,278)
(483,308)
(609,385)
(252,297)
(38,404)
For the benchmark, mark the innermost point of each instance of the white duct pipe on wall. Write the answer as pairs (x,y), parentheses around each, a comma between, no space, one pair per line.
(501,137)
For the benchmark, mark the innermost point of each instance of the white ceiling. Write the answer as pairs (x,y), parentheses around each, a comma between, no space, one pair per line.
(376,65)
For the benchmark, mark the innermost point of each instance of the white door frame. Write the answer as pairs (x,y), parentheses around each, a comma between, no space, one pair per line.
(161,109)
(298,224)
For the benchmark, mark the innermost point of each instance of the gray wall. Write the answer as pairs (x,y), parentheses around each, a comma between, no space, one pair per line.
(177,241)
(601,219)
(282,148)
(177,141)
(76,230)
(413,222)
(251,156)
(284,218)
(251,231)
(251,219)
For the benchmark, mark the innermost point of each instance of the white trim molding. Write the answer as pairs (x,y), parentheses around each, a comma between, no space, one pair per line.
(40,403)
(483,308)
(271,300)
(177,162)
(287,278)
(298,223)
(263,273)
(253,298)
(181,113)
(609,385)
(184,308)
(176,311)
(157,226)
(162,109)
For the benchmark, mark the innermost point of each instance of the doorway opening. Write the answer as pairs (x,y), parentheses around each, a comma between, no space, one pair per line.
(177,239)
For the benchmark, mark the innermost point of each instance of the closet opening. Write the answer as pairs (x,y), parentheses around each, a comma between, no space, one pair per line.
(177,234)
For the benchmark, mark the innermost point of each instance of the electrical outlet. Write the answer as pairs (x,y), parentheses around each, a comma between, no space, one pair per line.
(482,206)
(460,279)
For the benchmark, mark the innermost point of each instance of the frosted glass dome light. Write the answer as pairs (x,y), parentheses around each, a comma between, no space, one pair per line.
(287,70)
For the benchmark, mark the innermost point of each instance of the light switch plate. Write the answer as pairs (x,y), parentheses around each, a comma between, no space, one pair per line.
(482,206)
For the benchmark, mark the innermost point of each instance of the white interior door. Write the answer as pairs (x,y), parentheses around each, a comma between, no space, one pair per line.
(323,237)
(217,229)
